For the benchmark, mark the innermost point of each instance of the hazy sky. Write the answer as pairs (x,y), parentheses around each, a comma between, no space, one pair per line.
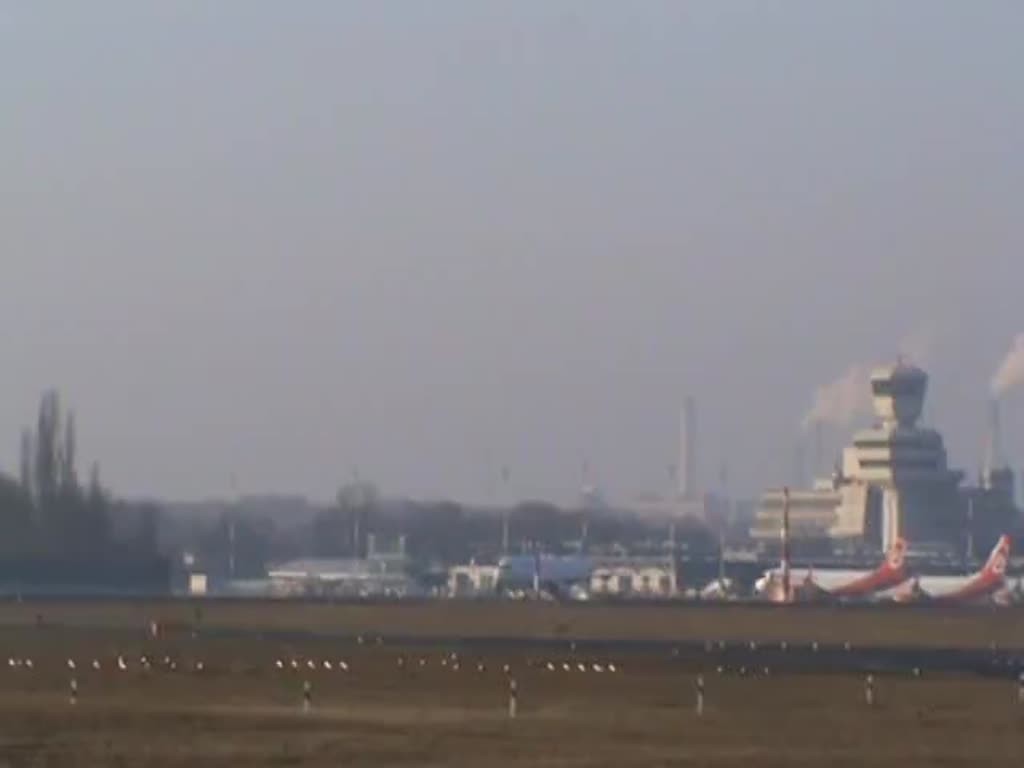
(426,238)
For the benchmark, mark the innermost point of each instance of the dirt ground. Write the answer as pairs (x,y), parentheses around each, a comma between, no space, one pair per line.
(210,700)
(927,626)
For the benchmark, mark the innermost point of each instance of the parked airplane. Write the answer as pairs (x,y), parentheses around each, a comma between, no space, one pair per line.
(984,585)
(826,583)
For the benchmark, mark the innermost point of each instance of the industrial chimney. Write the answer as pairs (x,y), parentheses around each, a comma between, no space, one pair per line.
(993,440)
(688,450)
(996,475)
(819,451)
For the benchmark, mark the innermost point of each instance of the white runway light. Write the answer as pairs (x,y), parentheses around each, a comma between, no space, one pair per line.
(71,664)
(327,664)
(279,664)
(96,664)
(551,667)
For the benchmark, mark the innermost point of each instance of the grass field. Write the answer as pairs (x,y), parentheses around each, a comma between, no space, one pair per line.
(417,705)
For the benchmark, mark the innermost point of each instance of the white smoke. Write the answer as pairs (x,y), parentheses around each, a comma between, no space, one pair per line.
(917,345)
(843,400)
(1011,371)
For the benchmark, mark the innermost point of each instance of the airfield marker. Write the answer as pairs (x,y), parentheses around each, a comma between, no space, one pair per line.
(869,690)
(73,691)
(513,698)
(700,695)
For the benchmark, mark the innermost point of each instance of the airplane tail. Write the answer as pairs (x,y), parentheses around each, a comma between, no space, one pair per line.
(997,561)
(889,574)
(895,558)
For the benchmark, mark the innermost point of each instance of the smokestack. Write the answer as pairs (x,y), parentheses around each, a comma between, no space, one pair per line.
(818,451)
(688,450)
(785,545)
(993,447)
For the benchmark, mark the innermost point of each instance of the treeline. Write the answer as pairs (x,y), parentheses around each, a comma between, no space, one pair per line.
(242,540)
(48,513)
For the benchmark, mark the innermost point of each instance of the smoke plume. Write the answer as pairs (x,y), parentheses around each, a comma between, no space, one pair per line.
(917,345)
(843,400)
(1011,371)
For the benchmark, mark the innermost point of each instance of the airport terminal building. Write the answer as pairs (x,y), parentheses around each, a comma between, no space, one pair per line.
(894,480)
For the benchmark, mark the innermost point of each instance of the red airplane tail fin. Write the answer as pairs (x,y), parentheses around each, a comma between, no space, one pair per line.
(997,561)
(895,558)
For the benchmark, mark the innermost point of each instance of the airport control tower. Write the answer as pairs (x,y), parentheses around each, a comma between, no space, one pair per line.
(904,462)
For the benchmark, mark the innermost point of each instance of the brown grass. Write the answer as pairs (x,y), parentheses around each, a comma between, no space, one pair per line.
(243,711)
(883,625)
